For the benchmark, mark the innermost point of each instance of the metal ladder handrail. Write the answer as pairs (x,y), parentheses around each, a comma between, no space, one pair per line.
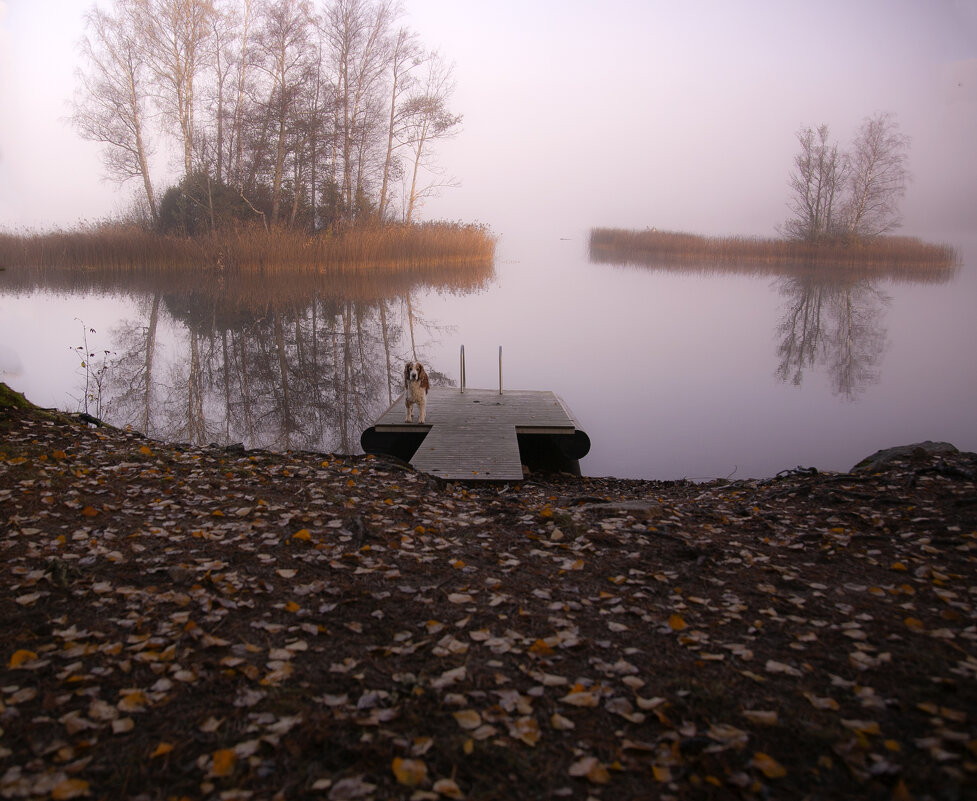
(462,370)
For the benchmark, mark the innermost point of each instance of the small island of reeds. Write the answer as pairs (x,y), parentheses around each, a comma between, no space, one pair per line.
(883,255)
(253,249)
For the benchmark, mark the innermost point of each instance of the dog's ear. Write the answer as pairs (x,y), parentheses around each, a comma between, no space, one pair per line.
(425,383)
(406,373)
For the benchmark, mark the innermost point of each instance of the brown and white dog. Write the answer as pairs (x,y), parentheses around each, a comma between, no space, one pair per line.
(416,386)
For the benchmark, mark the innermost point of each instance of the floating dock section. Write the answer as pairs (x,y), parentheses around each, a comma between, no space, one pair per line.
(482,435)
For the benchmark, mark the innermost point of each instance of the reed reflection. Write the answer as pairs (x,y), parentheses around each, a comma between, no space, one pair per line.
(292,362)
(833,317)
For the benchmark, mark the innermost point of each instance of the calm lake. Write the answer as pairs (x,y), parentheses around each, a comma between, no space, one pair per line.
(672,372)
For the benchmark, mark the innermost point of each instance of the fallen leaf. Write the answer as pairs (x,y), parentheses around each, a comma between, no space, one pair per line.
(677,623)
(69,788)
(769,766)
(560,723)
(468,719)
(760,716)
(409,772)
(161,749)
(583,698)
(448,788)
(590,767)
(351,788)
(821,703)
(224,761)
(780,667)
(19,657)
(526,729)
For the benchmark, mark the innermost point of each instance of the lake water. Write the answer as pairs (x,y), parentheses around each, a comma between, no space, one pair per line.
(672,372)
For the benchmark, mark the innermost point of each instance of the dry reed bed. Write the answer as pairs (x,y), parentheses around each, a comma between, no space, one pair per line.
(249,249)
(904,257)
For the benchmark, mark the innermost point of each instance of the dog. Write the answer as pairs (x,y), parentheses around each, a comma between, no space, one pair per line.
(416,386)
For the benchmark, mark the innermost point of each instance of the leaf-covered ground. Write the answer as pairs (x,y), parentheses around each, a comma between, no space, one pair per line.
(183,623)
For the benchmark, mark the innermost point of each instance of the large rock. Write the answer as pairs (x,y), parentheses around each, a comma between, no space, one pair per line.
(919,450)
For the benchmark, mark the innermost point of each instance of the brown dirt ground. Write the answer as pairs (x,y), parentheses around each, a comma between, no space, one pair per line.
(187,623)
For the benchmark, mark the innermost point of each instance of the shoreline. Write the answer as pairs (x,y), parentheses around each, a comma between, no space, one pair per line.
(220,623)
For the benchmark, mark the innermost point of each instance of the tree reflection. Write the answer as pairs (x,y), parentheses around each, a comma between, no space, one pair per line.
(835,324)
(290,362)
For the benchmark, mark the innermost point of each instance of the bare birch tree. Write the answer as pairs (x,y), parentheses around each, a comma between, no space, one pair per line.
(816,183)
(428,121)
(110,105)
(176,33)
(284,42)
(878,176)
(356,31)
(405,54)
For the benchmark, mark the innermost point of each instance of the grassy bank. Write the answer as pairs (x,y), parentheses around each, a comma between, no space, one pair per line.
(883,255)
(252,249)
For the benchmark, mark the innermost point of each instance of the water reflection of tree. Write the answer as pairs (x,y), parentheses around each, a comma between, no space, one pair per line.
(290,377)
(287,369)
(834,323)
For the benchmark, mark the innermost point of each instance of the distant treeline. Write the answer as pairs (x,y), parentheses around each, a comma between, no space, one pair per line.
(878,255)
(251,248)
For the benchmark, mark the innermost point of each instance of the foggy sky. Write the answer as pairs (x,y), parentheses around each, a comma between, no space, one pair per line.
(674,115)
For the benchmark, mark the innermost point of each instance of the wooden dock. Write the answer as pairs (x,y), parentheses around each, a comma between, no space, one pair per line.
(482,435)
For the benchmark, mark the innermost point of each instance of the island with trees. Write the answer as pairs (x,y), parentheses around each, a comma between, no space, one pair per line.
(305,135)
(844,206)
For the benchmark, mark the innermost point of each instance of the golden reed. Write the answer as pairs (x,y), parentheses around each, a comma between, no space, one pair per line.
(129,247)
(895,256)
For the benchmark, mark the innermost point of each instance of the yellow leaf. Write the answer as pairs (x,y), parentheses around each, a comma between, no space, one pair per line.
(291,606)
(914,623)
(540,648)
(69,788)
(19,657)
(161,749)
(133,701)
(898,566)
(662,773)
(89,511)
(224,761)
(145,451)
(409,772)
(769,766)
(59,455)
(302,534)
(900,792)
(676,623)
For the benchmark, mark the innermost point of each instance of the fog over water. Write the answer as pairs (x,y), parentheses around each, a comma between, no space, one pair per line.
(671,372)
(679,116)
(626,113)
